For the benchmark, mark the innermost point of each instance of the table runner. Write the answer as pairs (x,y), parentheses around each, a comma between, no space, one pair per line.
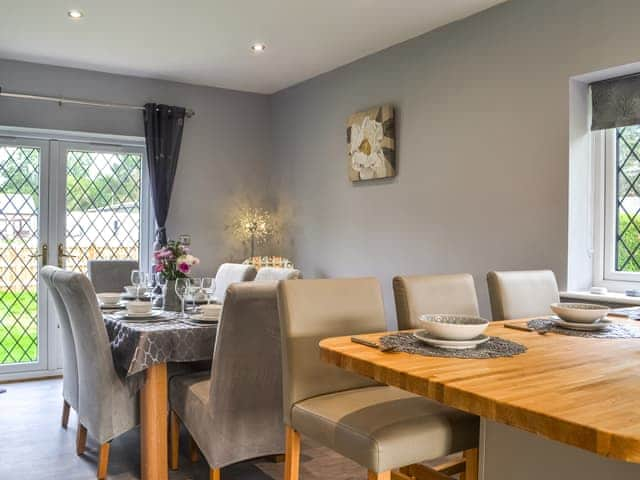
(495,347)
(138,345)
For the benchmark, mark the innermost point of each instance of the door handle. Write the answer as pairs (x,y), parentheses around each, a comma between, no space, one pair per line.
(44,255)
(62,255)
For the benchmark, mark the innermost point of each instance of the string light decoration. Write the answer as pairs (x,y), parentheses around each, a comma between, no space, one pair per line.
(254,225)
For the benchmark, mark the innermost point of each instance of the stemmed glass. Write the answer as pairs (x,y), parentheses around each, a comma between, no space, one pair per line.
(209,286)
(182,288)
(195,286)
(136,280)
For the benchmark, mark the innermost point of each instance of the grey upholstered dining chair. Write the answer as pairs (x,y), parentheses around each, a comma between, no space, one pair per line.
(378,426)
(274,273)
(69,363)
(107,408)
(520,294)
(235,412)
(419,294)
(229,273)
(110,275)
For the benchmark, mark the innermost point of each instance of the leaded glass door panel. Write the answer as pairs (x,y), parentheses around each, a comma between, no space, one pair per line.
(23,250)
(102,204)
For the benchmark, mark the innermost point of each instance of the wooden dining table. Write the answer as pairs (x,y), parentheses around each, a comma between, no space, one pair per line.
(583,392)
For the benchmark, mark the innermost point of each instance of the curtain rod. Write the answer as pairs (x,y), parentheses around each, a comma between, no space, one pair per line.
(76,101)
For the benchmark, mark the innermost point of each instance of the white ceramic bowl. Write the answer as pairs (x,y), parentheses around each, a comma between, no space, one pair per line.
(453,327)
(579,312)
(136,306)
(132,290)
(211,310)
(108,298)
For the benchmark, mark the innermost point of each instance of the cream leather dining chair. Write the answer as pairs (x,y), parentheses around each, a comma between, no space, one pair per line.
(234,413)
(520,294)
(69,363)
(106,406)
(380,427)
(276,273)
(110,275)
(419,294)
(229,273)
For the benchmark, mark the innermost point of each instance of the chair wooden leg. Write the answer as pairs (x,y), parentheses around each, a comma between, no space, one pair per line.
(174,440)
(103,460)
(66,408)
(194,454)
(81,439)
(292,454)
(379,476)
(276,458)
(471,465)
(214,474)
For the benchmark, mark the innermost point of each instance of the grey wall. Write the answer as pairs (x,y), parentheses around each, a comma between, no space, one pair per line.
(483,145)
(225,149)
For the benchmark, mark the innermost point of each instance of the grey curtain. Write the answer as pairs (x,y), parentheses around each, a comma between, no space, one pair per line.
(163,127)
(615,102)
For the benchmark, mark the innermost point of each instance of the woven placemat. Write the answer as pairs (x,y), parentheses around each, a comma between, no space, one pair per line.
(613,330)
(495,347)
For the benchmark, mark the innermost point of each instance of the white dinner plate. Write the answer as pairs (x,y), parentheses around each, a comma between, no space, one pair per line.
(584,327)
(125,315)
(424,336)
(201,318)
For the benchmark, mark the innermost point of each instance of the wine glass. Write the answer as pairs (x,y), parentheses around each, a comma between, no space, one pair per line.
(209,286)
(136,280)
(195,287)
(161,282)
(182,287)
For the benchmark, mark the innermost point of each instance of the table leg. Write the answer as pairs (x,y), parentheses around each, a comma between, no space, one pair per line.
(153,424)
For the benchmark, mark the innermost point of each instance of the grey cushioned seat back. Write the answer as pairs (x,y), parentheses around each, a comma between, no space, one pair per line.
(110,275)
(245,400)
(69,363)
(520,294)
(311,310)
(106,407)
(423,294)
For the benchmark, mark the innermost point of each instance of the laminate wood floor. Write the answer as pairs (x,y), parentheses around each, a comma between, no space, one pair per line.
(34,446)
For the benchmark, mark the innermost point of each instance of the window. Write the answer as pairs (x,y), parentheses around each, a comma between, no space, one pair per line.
(617,187)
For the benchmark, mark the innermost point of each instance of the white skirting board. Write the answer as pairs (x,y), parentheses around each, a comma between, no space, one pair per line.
(508,453)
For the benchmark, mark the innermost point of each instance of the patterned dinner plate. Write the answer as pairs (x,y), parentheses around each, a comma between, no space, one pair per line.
(425,337)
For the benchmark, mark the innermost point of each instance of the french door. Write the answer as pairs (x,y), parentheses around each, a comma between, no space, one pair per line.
(61,203)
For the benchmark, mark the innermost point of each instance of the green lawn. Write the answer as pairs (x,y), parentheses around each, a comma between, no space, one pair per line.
(18,312)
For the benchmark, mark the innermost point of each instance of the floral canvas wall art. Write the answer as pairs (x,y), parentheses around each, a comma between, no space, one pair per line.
(371,145)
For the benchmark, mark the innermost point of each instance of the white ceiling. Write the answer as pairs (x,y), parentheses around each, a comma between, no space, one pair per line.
(206,42)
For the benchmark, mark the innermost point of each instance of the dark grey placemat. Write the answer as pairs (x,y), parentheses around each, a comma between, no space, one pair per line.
(495,347)
(614,330)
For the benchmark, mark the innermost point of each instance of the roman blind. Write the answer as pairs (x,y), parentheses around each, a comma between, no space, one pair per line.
(615,102)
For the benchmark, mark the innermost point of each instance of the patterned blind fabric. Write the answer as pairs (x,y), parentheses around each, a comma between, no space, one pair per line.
(615,102)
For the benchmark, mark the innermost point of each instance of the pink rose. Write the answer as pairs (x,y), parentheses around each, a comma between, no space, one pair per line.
(184,267)
(158,268)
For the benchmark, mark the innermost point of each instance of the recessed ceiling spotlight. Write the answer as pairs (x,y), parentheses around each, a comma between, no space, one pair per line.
(258,47)
(75,14)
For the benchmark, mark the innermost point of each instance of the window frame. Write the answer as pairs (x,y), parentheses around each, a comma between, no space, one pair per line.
(604,161)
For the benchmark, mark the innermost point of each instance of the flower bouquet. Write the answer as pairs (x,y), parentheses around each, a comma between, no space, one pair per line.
(173,261)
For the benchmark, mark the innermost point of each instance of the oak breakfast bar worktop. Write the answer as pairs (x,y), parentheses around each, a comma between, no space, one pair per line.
(583,392)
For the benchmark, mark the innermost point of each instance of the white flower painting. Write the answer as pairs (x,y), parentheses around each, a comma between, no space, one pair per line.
(371,144)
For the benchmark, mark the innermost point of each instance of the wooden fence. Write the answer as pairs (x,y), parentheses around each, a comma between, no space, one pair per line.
(18,267)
